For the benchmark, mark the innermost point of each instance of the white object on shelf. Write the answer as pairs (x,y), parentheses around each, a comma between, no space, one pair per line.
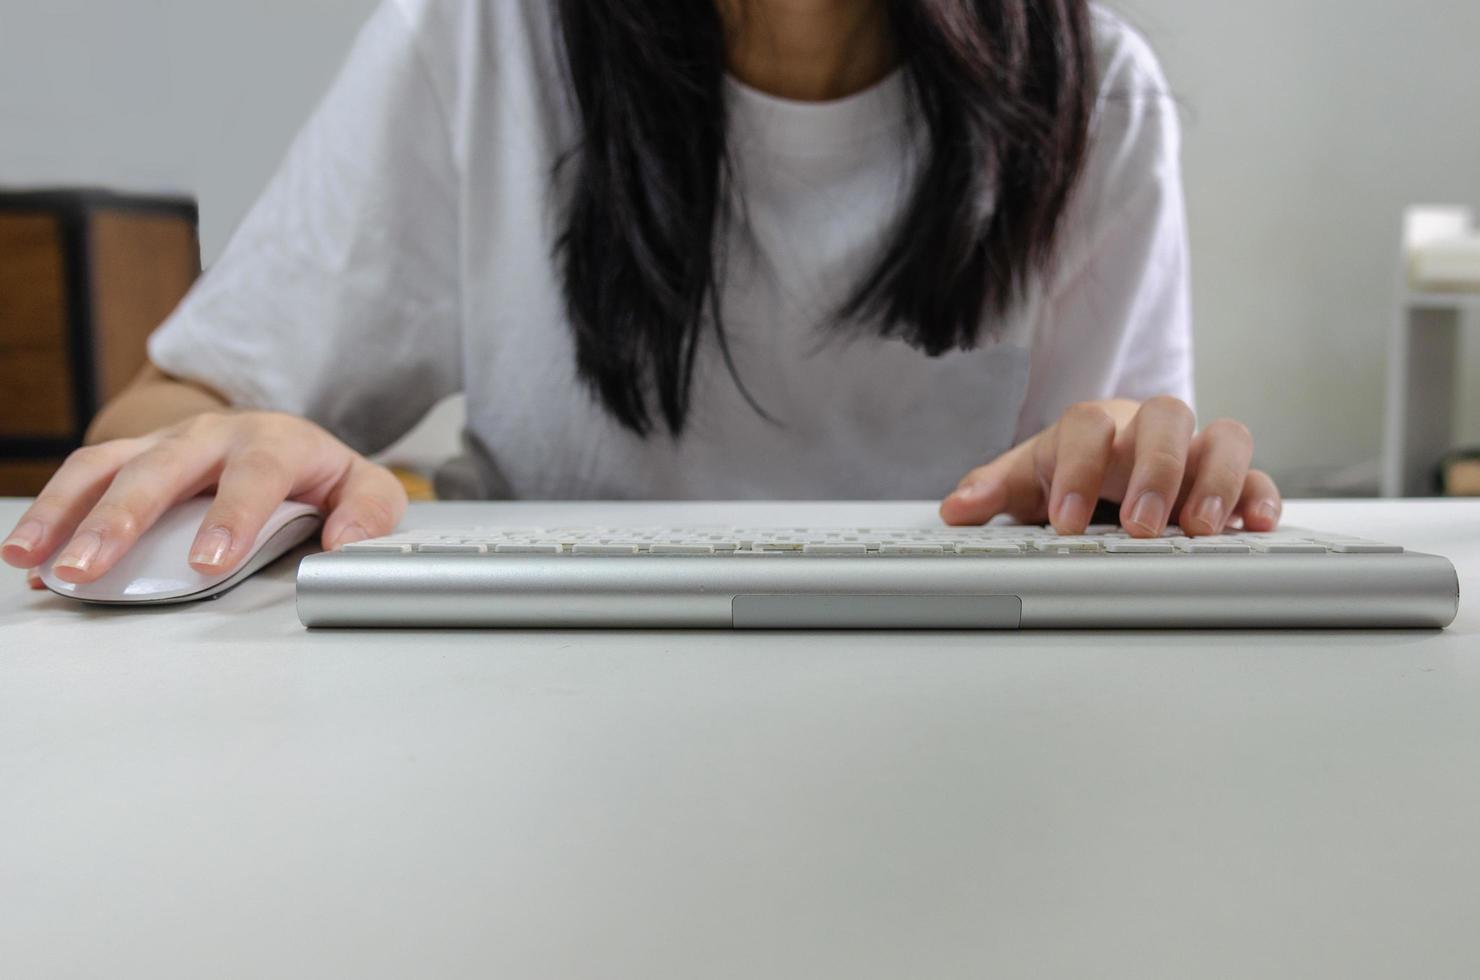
(1441,247)
(1439,291)
(1450,266)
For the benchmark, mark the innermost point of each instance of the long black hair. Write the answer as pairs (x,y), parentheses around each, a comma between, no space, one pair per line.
(1004,90)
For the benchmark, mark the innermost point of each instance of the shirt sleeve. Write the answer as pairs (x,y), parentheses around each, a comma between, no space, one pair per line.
(337,298)
(1116,319)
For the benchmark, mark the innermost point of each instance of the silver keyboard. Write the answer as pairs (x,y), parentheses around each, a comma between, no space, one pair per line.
(993,541)
(996,577)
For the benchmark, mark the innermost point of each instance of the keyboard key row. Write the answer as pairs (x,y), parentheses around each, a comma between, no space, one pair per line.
(1046,546)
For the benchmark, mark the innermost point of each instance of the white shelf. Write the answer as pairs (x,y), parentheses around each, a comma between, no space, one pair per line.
(1423,359)
(1425,300)
(1422,387)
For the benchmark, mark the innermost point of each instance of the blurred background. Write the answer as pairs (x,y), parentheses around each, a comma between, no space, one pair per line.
(1310,125)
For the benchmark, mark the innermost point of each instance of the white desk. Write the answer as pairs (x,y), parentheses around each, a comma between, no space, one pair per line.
(211,791)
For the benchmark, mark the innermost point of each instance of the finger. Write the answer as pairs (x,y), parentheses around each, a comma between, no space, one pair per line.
(1075,467)
(367,503)
(1162,433)
(1220,455)
(1260,504)
(253,481)
(173,468)
(67,497)
(33,580)
(1008,484)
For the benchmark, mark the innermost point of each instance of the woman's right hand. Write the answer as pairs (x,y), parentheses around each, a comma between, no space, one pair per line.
(106,495)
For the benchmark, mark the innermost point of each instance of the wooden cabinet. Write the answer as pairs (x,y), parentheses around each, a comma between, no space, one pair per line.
(85,277)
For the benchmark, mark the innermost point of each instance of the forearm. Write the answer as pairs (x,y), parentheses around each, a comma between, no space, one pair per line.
(152,401)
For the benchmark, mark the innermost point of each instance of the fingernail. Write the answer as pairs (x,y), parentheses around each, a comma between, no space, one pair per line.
(1210,512)
(211,547)
(1267,509)
(350,535)
(33,579)
(82,551)
(1150,512)
(1072,510)
(27,537)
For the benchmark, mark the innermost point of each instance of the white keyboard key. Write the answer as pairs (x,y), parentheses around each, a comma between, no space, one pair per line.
(605,549)
(681,549)
(1362,548)
(1217,548)
(377,547)
(450,548)
(842,548)
(1139,546)
(1211,546)
(1272,546)
(550,548)
(1069,545)
(912,549)
(988,548)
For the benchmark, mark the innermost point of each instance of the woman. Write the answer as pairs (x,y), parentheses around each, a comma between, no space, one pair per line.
(783,248)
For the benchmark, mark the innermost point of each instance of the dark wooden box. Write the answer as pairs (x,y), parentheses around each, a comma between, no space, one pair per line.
(85,277)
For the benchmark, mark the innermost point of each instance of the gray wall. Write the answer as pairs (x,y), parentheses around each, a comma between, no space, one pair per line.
(199,96)
(1309,126)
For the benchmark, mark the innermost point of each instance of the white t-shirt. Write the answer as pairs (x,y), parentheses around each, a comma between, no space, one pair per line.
(403,252)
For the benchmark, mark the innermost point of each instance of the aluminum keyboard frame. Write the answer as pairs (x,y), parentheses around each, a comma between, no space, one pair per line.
(788,591)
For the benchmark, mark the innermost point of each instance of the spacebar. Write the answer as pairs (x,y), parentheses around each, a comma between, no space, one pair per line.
(905,612)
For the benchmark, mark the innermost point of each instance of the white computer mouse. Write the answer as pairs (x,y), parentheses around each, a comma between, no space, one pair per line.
(157,568)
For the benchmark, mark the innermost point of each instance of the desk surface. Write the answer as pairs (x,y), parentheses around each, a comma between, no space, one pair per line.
(213,791)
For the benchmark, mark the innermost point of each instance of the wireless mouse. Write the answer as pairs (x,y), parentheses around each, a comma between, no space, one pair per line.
(156,570)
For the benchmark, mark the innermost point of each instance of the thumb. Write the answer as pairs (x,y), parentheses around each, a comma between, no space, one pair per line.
(1007,485)
(368,503)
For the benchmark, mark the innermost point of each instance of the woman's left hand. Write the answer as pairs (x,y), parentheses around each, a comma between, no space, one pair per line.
(1146,456)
